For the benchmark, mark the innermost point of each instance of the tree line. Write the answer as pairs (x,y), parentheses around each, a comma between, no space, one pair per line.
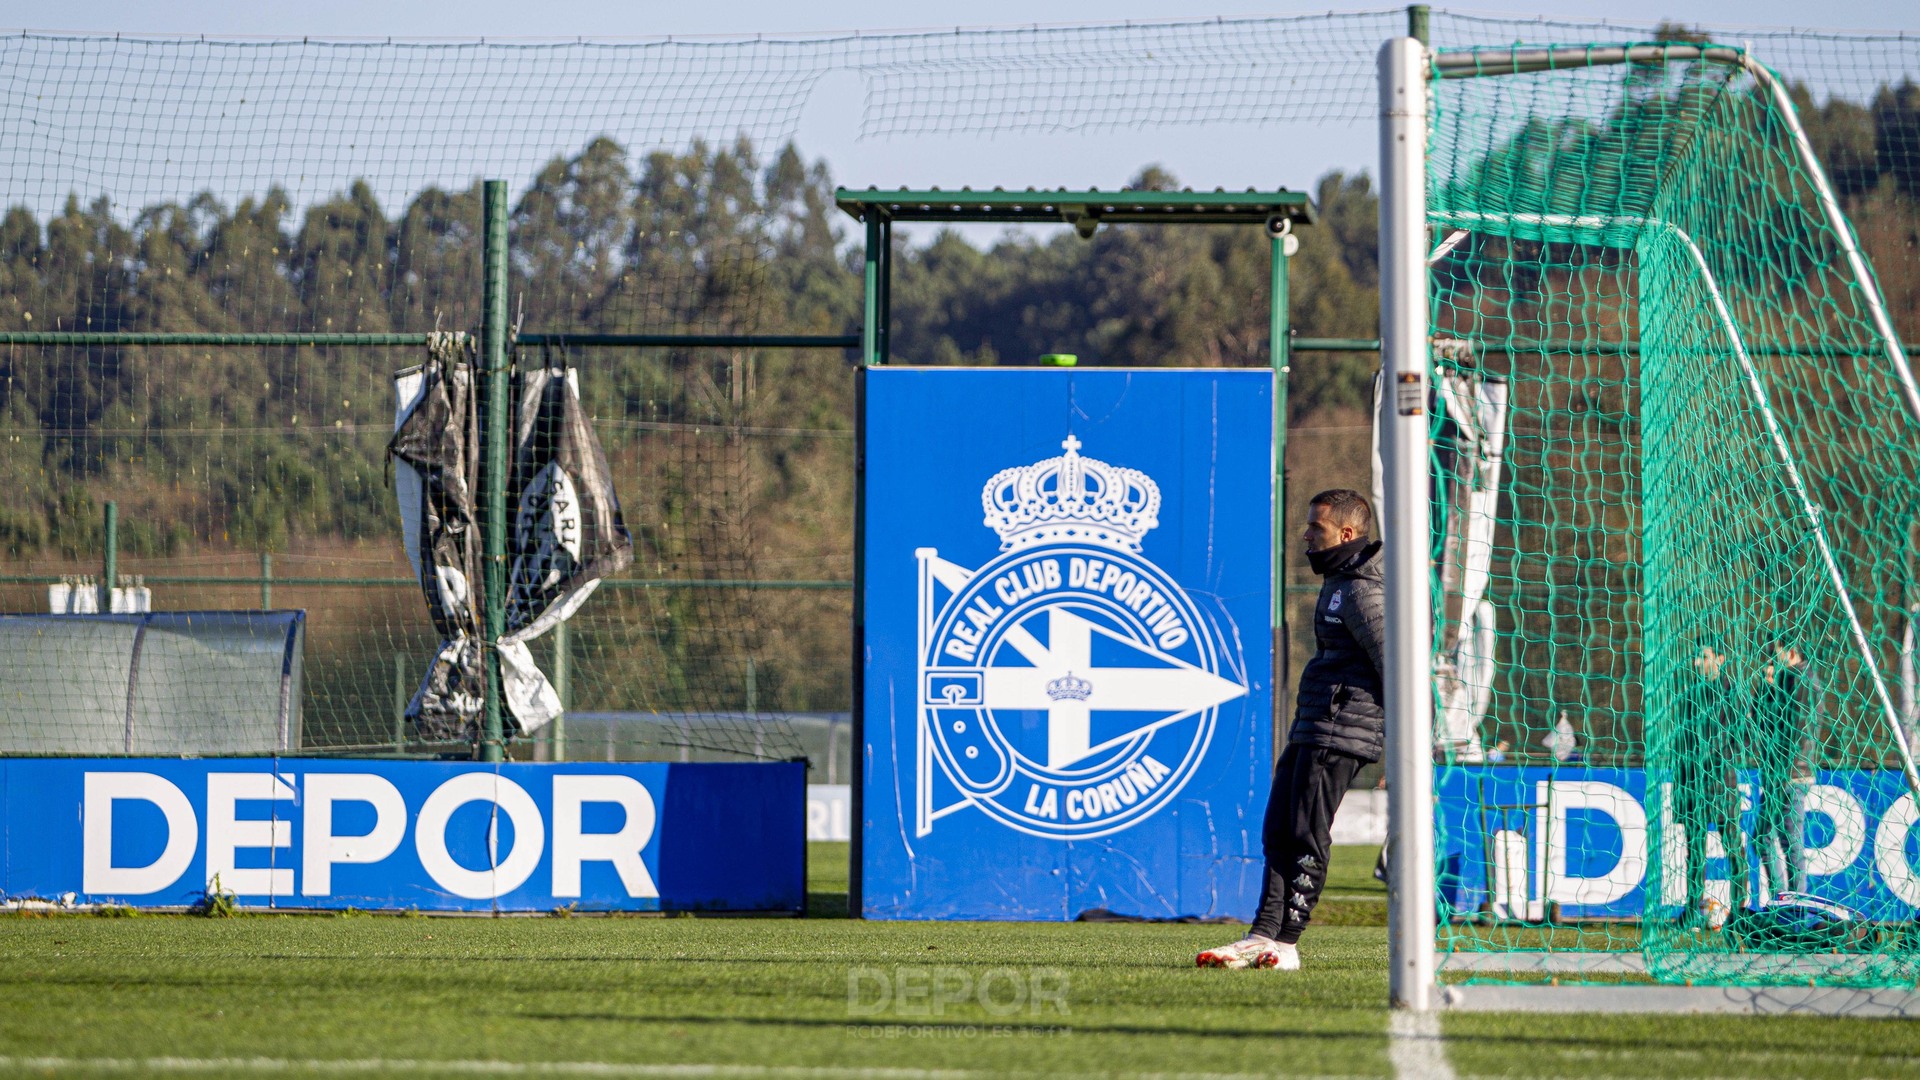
(732,462)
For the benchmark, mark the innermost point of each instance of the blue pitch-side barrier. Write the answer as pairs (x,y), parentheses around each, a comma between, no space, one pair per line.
(437,836)
(1067,690)
(1584,838)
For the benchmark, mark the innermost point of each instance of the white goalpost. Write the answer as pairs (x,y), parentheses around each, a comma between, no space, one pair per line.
(1403,438)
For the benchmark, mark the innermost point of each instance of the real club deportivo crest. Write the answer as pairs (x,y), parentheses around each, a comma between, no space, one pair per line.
(1068,688)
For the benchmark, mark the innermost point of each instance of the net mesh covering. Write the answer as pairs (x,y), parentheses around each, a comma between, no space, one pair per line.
(328,187)
(1698,555)
(307,187)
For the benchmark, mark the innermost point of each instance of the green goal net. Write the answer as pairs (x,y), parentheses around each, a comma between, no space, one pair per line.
(1678,474)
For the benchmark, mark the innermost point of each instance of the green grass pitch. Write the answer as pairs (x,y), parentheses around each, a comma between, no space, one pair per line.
(687,997)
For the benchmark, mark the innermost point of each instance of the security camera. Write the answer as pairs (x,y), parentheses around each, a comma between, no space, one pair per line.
(1279,225)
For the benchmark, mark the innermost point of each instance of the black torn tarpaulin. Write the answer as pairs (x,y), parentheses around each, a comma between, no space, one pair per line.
(435,451)
(567,530)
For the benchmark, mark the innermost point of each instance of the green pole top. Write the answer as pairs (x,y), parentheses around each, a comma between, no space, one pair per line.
(1059,359)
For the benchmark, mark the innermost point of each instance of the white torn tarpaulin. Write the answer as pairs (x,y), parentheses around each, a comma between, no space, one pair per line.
(567,530)
(1469,439)
(1470,450)
(1376,401)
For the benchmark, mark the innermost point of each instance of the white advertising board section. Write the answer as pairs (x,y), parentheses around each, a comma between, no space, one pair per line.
(829,812)
(1514,839)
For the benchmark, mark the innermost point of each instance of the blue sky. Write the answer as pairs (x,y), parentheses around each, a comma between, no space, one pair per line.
(1204,156)
(611,18)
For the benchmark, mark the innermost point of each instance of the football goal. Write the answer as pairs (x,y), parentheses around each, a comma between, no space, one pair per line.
(1642,387)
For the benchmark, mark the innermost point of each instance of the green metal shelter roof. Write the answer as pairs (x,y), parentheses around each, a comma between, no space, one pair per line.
(1085,210)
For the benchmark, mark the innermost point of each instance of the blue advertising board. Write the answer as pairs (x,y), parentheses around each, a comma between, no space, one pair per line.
(1067,692)
(1515,839)
(436,836)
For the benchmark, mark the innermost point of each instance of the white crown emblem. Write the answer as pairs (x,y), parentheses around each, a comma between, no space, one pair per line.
(1071,498)
(1069,688)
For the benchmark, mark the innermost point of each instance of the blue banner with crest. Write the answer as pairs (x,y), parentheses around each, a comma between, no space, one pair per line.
(1067,689)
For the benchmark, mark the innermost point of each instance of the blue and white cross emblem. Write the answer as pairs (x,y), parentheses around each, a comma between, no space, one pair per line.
(1068,688)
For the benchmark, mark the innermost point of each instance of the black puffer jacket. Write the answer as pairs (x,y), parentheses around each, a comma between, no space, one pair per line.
(1341,690)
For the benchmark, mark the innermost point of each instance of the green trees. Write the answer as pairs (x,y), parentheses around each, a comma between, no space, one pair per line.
(733,463)
(712,239)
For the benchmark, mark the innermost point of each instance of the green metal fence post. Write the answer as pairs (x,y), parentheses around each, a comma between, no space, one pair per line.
(870,314)
(1419,23)
(110,557)
(562,685)
(266,581)
(886,291)
(493,460)
(1279,330)
(400,700)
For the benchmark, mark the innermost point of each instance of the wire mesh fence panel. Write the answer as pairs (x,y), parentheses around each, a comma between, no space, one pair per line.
(725,608)
(315,189)
(736,606)
(299,189)
(1705,556)
(307,192)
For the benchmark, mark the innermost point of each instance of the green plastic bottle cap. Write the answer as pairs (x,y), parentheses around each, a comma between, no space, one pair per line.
(1059,359)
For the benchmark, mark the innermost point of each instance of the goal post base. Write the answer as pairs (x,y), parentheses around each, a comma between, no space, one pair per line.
(1883,1003)
(1703,968)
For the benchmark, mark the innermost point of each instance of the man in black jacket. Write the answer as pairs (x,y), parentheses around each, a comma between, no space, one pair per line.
(1338,726)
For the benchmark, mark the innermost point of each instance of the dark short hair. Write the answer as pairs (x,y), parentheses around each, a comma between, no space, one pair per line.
(1347,507)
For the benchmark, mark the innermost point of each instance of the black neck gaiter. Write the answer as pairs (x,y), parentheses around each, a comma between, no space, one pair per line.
(1327,560)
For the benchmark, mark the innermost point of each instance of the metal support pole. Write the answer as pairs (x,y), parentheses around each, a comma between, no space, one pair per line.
(562,685)
(1279,330)
(1409,681)
(532,339)
(266,581)
(110,558)
(493,459)
(870,315)
(400,700)
(1419,23)
(161,339)
(886,290)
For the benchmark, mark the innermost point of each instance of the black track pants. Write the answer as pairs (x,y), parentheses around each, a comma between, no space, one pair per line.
(1308,784)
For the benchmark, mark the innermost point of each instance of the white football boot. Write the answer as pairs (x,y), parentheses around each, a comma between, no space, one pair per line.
(1252,952)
